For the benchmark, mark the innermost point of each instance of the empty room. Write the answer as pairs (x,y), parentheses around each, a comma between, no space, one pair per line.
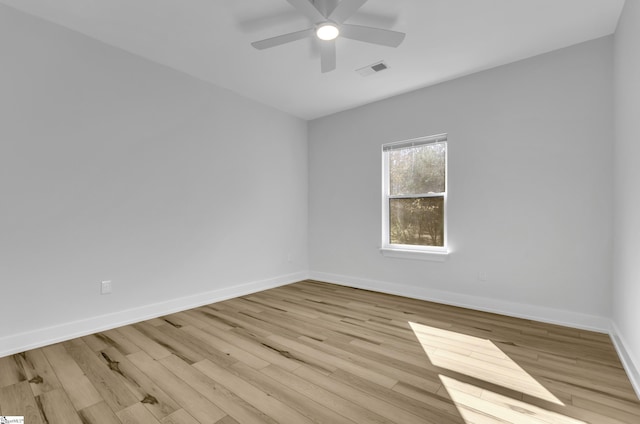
(320,211)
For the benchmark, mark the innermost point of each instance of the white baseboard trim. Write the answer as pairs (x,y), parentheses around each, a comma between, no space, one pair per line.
(17,343)
(21,342)
(502,307)
(632,369)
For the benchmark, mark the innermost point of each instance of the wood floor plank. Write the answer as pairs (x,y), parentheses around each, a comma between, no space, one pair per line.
(285,304)
(38,371)
(252,322)
(245,303)
(136,414)
(76,385)
(438,401)
(200,347)
(432,407)
(395,372)
(328,322)
(95,342)
(227,420)
(226,348)
(318,328)
(18,400)
(380,407)
(293,322)
(336,361)
(510,410)
(145,344)
(184,319)
(156,322)
(301,403)
(58,409)
(388,352)
(158,333)
(11,371)
(115,339)
(618,411)
(187,397)
(256,345)
(179,417)
(146,391)
(288,358)
(111,388)
(251,394)
(210,319)
(313,352)
(342,406)
(218,394)
(100,413)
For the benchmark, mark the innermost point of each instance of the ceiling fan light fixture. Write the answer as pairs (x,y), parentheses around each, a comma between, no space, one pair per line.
(329,25)
(327,32)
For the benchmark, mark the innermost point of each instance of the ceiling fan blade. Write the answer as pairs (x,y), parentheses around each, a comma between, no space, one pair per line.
(309,10)
(327,56)
(381,36)
(282,39)
(345,9)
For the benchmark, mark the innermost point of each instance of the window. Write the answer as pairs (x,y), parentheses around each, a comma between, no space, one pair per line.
(415,195)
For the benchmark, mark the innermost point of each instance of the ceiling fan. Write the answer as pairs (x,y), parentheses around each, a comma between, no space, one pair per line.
(329,25)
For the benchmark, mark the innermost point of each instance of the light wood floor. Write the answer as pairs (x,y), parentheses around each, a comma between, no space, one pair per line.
(317,353)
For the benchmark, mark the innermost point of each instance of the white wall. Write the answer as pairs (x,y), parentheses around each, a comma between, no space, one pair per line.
(626,297)
(112,167)
(530,177)
(116,168)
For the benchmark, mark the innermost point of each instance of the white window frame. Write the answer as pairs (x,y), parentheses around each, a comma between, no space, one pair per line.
(408,251)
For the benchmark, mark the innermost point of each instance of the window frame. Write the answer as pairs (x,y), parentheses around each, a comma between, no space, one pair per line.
(410,251)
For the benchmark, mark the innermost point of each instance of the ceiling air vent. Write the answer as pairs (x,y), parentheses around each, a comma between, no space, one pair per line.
(372,69)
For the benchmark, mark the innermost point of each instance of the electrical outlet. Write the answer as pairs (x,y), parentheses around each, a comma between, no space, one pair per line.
(482,276)
(106,287)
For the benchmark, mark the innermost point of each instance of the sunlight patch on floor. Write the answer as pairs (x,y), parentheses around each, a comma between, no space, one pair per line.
(478,405)
(478,358)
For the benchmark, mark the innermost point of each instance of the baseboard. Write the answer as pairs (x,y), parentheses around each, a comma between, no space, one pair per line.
(632,369)
(42,337)
(502,307)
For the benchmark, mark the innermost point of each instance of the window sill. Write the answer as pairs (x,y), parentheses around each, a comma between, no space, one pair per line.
(422,255)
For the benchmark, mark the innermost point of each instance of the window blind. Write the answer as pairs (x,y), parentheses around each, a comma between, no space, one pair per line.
(406,144)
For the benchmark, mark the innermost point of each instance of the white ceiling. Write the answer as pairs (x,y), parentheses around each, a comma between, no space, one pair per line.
(210,40)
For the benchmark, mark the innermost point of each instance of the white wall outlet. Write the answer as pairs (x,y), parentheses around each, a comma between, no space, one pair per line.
(482,276)
(290,257)
(105,287)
